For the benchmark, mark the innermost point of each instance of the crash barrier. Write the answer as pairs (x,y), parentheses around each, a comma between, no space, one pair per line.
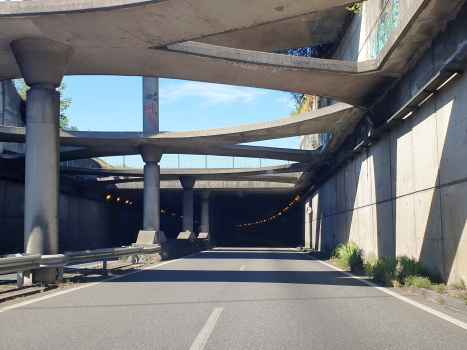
(26,262)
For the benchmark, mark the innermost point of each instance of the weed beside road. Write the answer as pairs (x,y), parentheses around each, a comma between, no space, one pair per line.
(400,271)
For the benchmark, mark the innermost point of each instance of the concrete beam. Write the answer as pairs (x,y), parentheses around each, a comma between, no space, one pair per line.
(195,173)
(294,155)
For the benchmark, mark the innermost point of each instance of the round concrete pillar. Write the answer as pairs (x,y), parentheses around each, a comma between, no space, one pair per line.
(150,105)
(42,63)
(151,211)
(151,214)
(187,221)
(205,211)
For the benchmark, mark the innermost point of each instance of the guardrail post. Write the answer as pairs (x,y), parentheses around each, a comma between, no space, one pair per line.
(19,279)
(60,273)
(131,259)
(104,266)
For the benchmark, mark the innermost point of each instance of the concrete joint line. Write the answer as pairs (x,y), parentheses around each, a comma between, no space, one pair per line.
(24,303)
(203,336)
(395,295)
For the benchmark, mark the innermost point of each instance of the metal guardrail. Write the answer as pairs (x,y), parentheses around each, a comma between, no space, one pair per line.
(25,262)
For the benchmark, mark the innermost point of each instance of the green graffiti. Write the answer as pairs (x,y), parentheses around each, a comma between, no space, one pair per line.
(386,29)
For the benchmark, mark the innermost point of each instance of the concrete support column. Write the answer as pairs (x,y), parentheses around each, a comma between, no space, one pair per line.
(205,211)
(43,64)
(187,221)
(152,211)
(152,184)
(150,105)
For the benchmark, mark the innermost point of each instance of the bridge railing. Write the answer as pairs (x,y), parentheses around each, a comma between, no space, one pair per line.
(25,262)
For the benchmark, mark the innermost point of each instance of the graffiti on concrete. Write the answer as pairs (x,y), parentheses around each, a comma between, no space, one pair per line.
(387,27)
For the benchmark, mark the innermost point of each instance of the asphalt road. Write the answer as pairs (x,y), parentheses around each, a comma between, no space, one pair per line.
(245,298)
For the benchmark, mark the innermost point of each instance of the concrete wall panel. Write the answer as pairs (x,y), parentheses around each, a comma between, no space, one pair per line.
(2,197)
(385,228)
(14,203)
(342,231)
(406,243)
(13,239)
(454,219)
(402,171)
(74,209)
(64,208)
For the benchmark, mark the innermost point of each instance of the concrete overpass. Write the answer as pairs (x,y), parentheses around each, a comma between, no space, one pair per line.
(43,41)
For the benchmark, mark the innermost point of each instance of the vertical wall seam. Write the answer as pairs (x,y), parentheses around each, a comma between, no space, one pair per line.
(393,220)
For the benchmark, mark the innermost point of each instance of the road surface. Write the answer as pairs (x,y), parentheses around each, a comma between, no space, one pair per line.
(232,298)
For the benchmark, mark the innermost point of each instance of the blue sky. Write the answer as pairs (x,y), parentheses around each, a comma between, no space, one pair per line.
(108,103)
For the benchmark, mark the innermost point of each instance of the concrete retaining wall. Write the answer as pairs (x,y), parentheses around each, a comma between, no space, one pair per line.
(10,115)
(406,193)
(84,222)
(369,31)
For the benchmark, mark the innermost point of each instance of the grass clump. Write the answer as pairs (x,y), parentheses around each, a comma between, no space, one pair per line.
(411,267)
(418,282)
(460,285)
(385,270)
(349,256)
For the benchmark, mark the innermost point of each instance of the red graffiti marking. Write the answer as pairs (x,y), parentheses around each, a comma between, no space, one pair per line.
(150,109)
(152,122)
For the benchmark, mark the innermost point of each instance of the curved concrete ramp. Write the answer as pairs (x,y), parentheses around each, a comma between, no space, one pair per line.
(114,36)
(295,155)
(331,119)
(147,38)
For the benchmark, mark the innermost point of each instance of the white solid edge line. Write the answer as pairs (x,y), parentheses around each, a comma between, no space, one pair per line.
(394,294)
(11,307)
(242,268)
(203,336)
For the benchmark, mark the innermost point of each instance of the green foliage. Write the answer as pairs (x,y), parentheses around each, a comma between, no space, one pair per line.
(418,282)
(349,255)
(402,269)
(440,288)
(411,267)
(304,105)
(320,51)
(357,7)
(460,285)
(385,269)
(65,103)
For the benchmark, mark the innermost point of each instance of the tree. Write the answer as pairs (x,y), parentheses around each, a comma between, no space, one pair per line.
(304,102)
(65,103)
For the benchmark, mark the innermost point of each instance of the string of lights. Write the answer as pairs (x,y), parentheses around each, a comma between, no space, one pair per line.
(109,198)
(287,208)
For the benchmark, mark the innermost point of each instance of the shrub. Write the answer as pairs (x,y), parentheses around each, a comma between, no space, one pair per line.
(385,269)
(411,267)
(349,255)
(418,282)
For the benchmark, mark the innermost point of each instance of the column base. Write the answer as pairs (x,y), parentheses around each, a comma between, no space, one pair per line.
(204,236)
(146,238)
(45,275)
(187,236)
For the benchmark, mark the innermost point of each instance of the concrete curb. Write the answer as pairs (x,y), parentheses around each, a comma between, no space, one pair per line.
(447,300)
